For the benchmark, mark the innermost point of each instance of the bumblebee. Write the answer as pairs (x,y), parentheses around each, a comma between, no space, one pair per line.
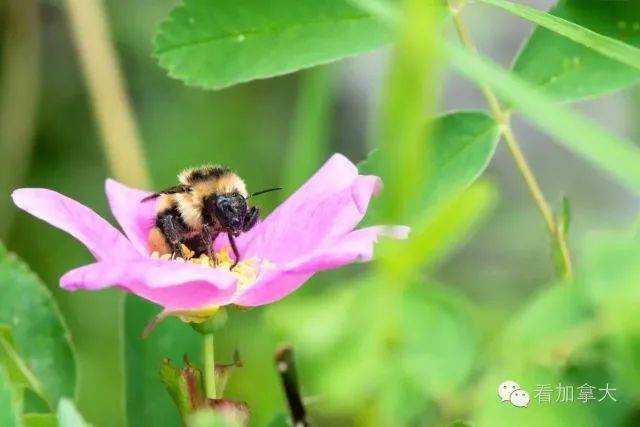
(209,200)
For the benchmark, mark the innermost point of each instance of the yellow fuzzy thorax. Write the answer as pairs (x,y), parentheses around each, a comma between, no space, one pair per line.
(246,273)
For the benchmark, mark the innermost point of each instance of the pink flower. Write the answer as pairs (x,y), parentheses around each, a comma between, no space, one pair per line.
(313,230)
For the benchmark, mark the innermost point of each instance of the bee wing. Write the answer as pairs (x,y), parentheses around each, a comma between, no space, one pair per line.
(171,190)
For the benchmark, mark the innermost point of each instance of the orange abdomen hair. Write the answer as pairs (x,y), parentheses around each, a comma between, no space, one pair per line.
(157,242)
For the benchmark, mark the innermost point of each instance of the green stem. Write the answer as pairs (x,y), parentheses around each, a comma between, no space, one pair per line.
(121,140)
(209,366)
(503,118)
(309,132)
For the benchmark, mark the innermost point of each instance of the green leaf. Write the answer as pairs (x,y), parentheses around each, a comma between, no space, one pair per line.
(402,364)
(618,157)
(279,420)
(615,49)
(184,386)
(39,420)
(217,43)
(444,228)
(463,143)
(612,269)
(148,403)
(431,359)
(607,33)
(491,411)
(10,401)
(223,372)
(41,336)
(68,415)
(19,373)
(409,94)
(611,278)
(548,330)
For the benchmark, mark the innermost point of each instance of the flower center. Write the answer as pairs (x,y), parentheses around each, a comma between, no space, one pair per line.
(246,271)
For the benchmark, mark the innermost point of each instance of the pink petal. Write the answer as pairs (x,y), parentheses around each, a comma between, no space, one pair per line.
(135,218)
(326,207)
(356,246)
(174,285)
(100,237)
(272,286)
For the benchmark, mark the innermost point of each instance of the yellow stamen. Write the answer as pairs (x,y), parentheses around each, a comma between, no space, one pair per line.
(188,253)
(246,273)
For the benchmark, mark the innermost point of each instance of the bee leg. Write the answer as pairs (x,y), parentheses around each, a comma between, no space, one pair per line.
(207,239)
(173,232)
(251,219)
(232,241)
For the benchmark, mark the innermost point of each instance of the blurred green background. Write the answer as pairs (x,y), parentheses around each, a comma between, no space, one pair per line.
(500,276)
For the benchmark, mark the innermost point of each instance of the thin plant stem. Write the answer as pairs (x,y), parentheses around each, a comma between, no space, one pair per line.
(119,133)
(100,65)
(503,117)
(209,366)
(529,178)
(567,272)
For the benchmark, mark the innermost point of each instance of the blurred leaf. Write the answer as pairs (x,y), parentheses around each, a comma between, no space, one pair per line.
(409,94)
(10,401)
(439,340)
(328,334)
(386,10)
(148,403)
(279,420)
(567,27)
(428,354)
(214,44)
(570,71)
(320,321)
(40,420)
(440,231)
(463,144)
(208,418)
(309,145)
(223,372)
(16,368)
(612,269)
(491,412)
(548,329)
(611,278)
(618,157)
(41,336)
(68,415)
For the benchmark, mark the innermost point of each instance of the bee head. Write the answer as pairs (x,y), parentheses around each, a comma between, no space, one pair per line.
(230,210)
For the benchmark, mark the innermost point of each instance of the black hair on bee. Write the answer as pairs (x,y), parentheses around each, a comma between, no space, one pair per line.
(209,200)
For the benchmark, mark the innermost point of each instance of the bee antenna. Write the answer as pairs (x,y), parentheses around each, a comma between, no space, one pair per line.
(257,193)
